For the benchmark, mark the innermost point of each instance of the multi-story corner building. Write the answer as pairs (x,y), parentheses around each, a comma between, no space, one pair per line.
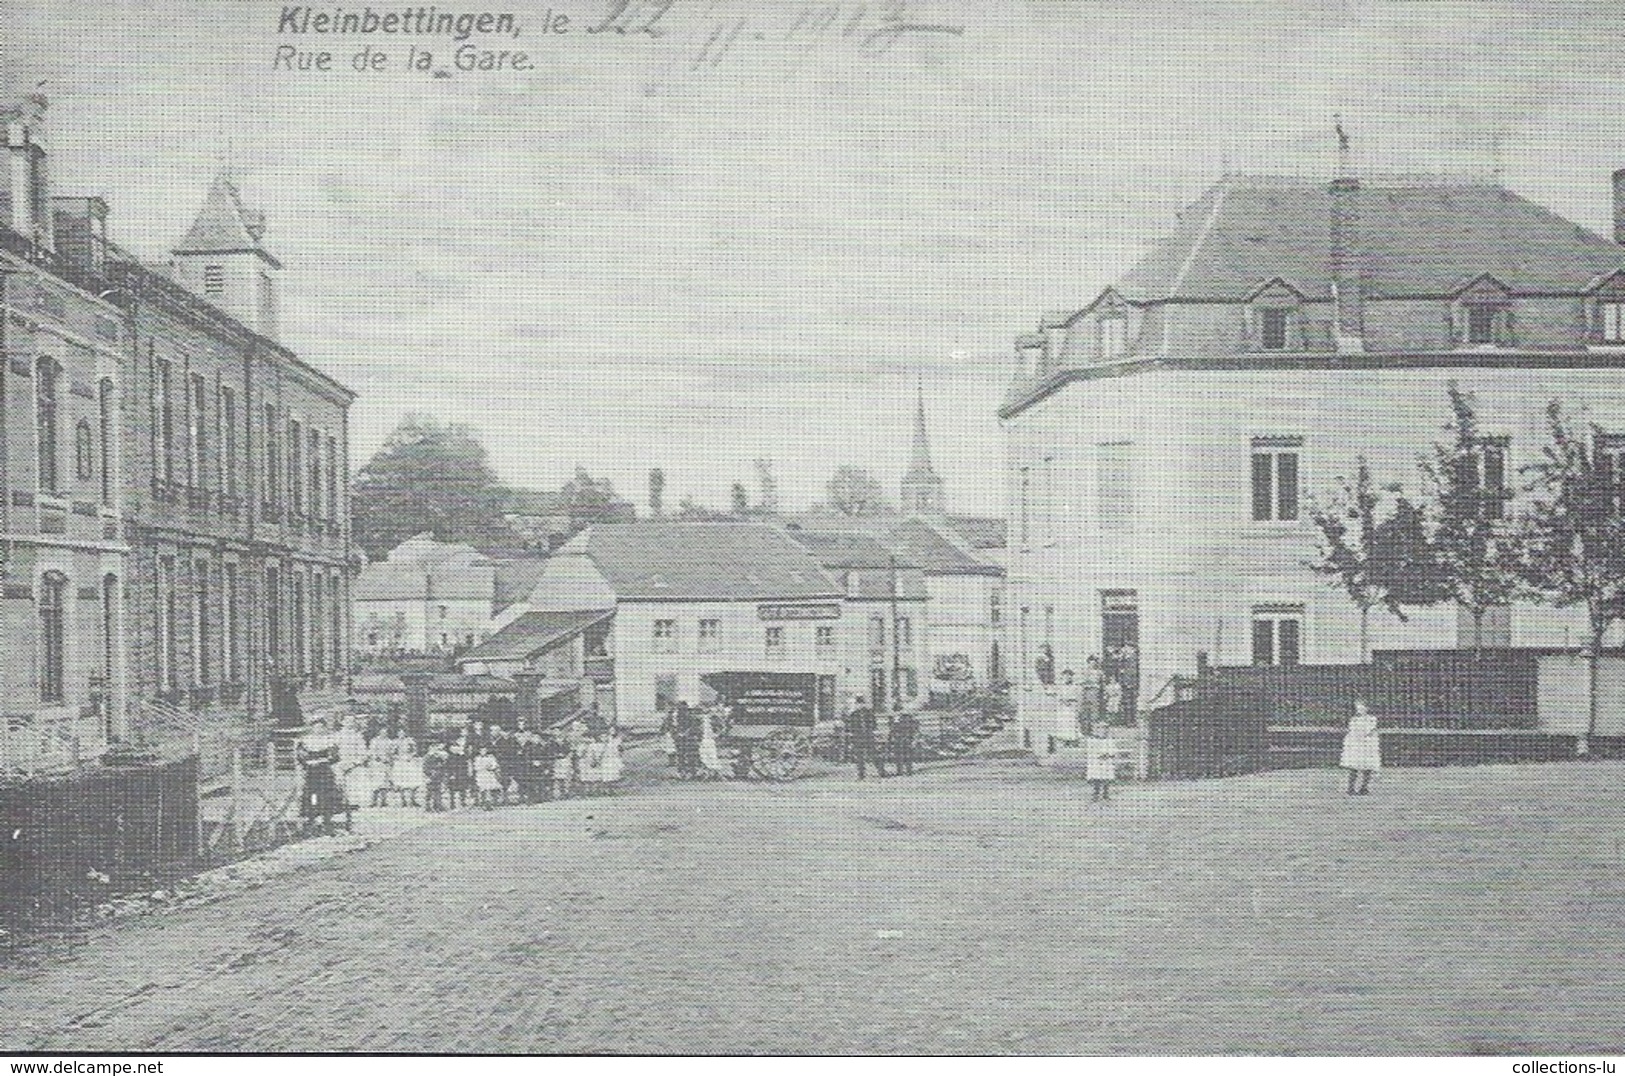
(236,480)
(1166,440)
(175,484)
(63,347)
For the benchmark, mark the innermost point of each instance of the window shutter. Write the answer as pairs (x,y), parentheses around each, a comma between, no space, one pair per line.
(1450,331)
(1508,336)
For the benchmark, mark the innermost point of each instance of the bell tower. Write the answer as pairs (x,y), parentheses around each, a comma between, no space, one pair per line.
(923,493)
(223,260)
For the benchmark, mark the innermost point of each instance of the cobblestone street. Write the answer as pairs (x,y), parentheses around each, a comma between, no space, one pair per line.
(974,908)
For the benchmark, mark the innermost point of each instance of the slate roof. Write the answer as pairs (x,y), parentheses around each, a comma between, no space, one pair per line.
(918,543)
(1414,237)
(515,579)
(847,549)
(535,633)
(667,560)
(921,543)
(225,226)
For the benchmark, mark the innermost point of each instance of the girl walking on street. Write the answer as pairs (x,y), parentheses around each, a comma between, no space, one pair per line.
(1362,749)
(487,778)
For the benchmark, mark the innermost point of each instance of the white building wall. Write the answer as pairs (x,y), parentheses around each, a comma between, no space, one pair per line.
(741,647)
(1194,555)
(959,620)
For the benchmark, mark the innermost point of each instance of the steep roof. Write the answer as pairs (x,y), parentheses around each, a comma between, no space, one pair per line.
(667,560)
(980,532)
(515,579)
(938,548)
(1413,237)
(225,226)
(847,549)
(535,633)
(924,544)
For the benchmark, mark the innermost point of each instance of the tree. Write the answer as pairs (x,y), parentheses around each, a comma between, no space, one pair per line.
(853,491)
(1377,561)
(1348,552)
(1470,542)
(589,500)
(657,492)
(428,477)
(740,500)
(1573,537)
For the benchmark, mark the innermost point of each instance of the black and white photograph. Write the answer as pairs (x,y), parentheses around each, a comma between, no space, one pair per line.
(672,528)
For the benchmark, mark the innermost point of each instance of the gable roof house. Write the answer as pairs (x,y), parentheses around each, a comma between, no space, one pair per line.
(685,601)
(1166,439)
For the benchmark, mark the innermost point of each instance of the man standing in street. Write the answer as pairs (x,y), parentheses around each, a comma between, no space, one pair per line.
(860,728)
(904,728)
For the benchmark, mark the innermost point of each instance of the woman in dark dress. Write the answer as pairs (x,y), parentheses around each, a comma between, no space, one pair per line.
(318,754)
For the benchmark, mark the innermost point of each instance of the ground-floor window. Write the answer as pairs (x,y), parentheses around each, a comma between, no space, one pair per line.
(53,641)
(1277,634)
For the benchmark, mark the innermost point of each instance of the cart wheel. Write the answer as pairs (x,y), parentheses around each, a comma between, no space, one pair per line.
(780,755)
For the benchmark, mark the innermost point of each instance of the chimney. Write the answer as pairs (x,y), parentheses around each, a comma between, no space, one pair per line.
(1619,206)
(1348,289)
(81,231)
(27,201)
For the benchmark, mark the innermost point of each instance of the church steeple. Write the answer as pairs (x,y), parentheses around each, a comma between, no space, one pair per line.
(923,493)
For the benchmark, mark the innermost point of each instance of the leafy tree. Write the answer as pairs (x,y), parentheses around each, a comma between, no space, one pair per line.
(769,486)
(1573,537)
(853,491)
(1349,551)
(589,500)
(428,477)
(1471,544)
(1376,560)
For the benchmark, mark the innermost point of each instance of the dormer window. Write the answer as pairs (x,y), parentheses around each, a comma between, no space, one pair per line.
(1485,314)
(1272,317)
(1272,325)
(1113,329)
(1611,320)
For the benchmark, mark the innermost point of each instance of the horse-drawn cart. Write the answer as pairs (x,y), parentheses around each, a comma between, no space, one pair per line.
(771,718)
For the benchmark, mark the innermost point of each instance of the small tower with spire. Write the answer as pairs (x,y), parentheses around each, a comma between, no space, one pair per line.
(223,260)
(923,493)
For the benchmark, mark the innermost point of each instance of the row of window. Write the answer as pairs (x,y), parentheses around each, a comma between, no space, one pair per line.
(300,462)
(708,637)
(211,602)
(1277,482)
(1475,321)
(92,446)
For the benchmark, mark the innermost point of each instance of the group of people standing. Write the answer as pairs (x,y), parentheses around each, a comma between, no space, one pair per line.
(1106,692)
(863,740)
(690,735)
(369,762)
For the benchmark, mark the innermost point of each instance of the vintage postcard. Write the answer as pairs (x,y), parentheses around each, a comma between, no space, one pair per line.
(733,527)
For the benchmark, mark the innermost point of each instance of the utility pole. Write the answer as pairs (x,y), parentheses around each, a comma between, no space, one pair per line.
(896,644)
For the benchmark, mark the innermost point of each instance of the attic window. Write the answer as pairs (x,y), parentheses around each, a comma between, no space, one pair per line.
(214,280)
(1611,318)
(1481,324)
(1272,323)
(1113,335)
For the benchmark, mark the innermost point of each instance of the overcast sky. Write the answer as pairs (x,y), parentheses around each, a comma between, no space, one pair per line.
(651,252)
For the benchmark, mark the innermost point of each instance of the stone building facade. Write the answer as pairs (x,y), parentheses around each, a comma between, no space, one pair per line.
(176,496)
